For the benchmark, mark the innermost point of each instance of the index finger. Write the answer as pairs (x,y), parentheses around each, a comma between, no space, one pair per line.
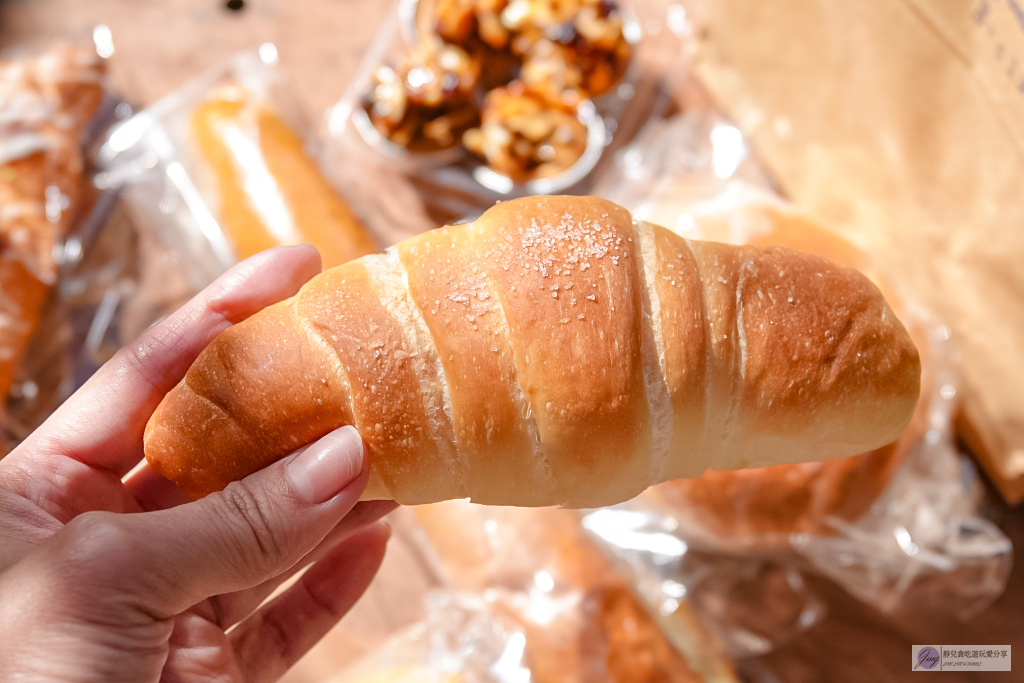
(101,425)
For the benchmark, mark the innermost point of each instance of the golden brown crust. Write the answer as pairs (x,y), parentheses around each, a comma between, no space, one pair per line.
(572,304)
(765,505)
(814,329)
(718,265)
(258,392)
(226,447)
(677,285)
(511,360)
(387,400)
(451,286)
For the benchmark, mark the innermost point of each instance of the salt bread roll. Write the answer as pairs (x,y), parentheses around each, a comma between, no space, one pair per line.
(551,352)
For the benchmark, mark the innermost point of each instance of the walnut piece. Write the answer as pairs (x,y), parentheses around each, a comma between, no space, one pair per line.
(524,135)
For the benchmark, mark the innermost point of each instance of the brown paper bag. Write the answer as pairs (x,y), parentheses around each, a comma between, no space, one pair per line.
(900,123)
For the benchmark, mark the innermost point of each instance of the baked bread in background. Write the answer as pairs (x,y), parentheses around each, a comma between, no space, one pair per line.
(21,300)
(551,352)
(270,191)
(47,98)
(581,621)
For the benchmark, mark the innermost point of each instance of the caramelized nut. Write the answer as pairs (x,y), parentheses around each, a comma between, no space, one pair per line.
(427,102)
(524,135)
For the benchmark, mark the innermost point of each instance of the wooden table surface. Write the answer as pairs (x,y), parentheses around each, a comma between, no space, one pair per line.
(162,43)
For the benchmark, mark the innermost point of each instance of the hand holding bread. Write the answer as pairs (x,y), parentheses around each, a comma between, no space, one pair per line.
(551,352)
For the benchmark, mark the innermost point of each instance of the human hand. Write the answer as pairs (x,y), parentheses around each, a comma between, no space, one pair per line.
(91,592)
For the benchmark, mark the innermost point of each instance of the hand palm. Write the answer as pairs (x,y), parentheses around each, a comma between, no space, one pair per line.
(35,507)
(79,461)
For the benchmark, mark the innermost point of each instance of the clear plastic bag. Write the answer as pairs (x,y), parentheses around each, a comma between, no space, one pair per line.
(925,525)
(580,620)
(402,192)
(55,103)
(463,639)
(877,524)
(219,170)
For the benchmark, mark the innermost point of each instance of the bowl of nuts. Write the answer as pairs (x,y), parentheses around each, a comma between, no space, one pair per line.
(504,88)
(420,108)
(532,145)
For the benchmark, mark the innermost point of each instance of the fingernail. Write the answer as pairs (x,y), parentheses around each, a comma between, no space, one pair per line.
(321,471)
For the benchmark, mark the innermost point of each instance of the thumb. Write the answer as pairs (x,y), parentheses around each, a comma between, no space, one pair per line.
(259,527)
(255,529)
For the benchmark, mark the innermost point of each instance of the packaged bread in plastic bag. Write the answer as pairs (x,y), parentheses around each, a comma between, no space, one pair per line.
(52,98)
(464,638)
(579,618)
(875,523)
(219,170)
